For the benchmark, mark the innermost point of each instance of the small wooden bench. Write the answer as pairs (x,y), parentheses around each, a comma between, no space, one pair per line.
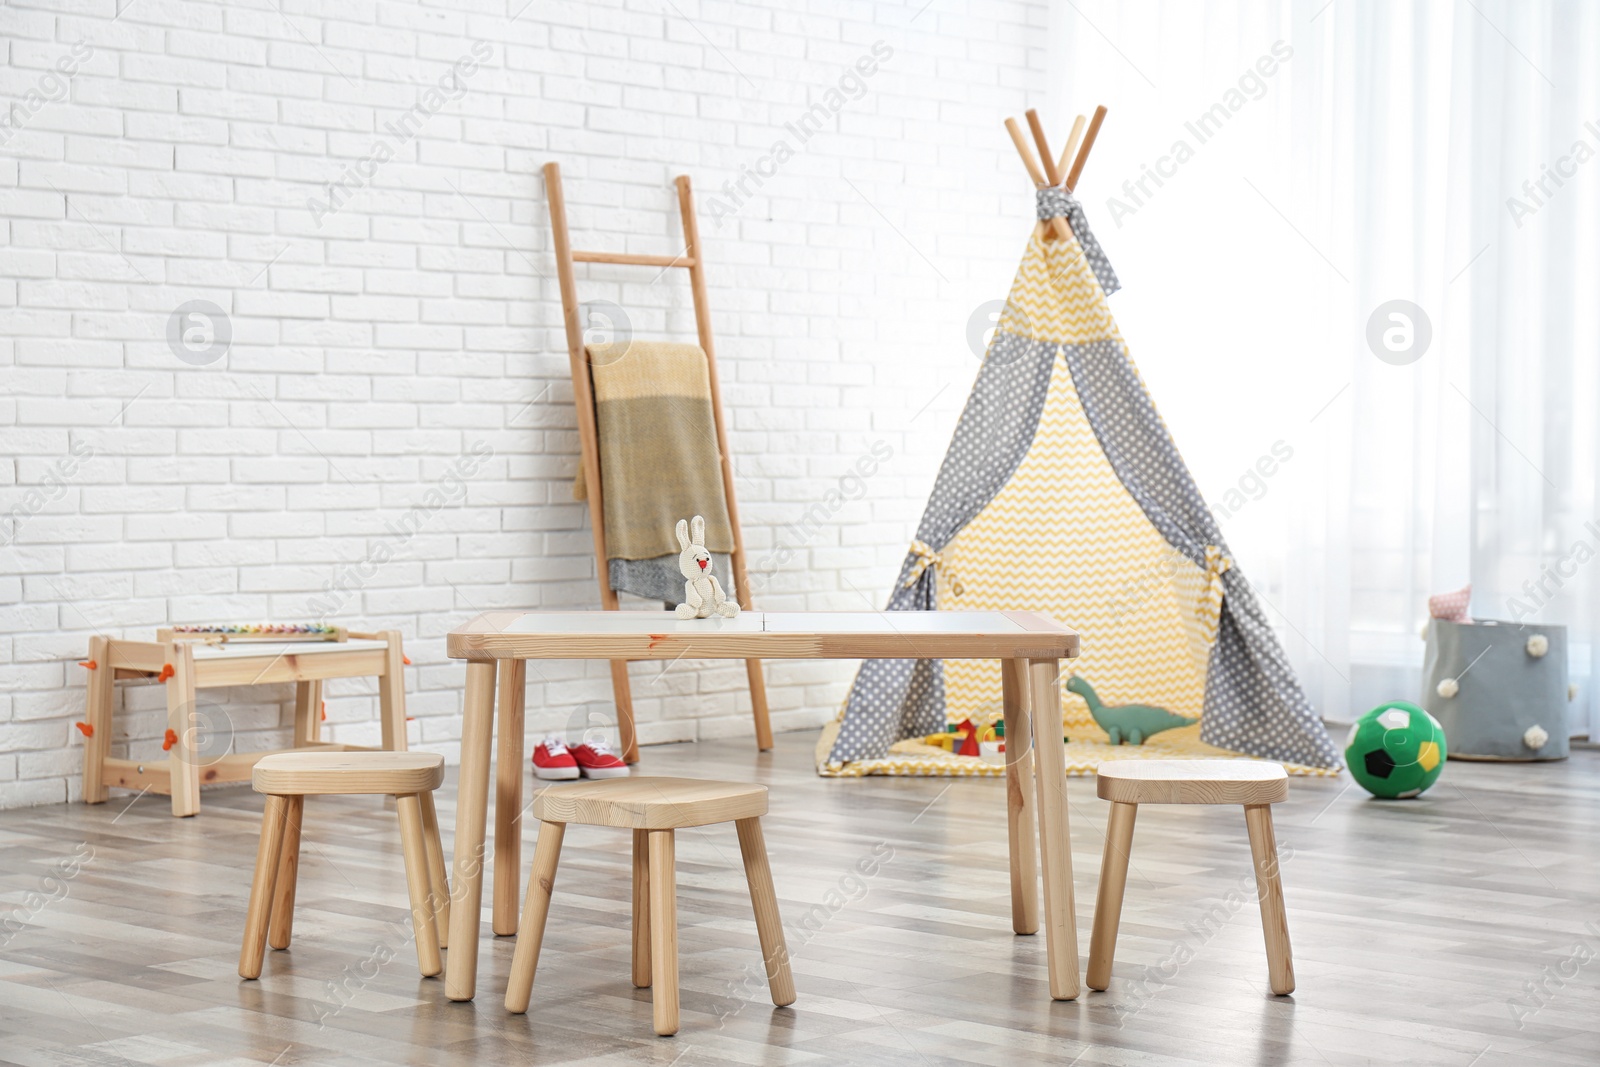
(1129,783)
(652,808)
(187,662)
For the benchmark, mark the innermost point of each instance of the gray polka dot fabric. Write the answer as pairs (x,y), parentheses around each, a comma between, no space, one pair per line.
(1141,451)
(992,436)
(1056,203)
(898,698)
(1253,703)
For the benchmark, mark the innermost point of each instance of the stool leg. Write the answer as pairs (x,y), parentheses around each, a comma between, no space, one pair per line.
(758,872)
(641,909)
(1108,902)
(254,945)
(416,853)
(438,885)
(281,927)
(1274,924)
(664,932)
(530,931)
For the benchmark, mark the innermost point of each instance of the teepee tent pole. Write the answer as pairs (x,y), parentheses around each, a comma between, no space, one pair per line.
(1051,176)
(1071,150)
(1057,226)
(1088,143)
(1025,152)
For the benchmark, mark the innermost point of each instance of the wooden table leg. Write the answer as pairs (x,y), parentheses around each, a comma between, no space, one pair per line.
(622,690)
(1055,836)
(184,721)
(758,704)
(472,810)
(1020,799)
(508,777)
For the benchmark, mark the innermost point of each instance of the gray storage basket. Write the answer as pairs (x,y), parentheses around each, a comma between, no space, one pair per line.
(1503,691)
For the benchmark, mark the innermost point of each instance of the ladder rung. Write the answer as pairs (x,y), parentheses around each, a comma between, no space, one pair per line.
(632,260)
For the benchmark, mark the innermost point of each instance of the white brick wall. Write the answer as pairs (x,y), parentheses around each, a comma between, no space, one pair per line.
(168,154)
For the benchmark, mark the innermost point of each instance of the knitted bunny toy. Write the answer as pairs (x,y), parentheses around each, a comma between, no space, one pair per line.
(702,596)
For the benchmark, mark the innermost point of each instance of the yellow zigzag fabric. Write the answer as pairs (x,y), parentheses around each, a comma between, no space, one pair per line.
(1064,537)
(1055,296)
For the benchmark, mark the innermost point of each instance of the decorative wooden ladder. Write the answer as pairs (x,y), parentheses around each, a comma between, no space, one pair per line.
(693,259)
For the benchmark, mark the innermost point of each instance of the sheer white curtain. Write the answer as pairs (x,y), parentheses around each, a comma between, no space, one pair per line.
(1272,177)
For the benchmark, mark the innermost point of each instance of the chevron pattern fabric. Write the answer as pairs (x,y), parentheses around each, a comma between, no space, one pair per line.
(1065,538)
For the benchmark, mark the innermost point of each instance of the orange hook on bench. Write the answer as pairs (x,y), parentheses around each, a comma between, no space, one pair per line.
(89,663)
(171,739)
(166,672)
(85,729)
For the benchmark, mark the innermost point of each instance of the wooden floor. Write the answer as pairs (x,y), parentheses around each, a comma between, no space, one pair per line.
(1448,930)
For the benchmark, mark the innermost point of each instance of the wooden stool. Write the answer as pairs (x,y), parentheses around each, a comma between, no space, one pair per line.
(1129,783)
(652,808)
(287,778)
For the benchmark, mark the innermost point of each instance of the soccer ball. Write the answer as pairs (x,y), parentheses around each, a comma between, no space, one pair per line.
(1396,750)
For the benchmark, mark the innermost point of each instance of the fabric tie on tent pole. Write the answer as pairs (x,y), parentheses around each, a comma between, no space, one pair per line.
(925,557)
(1054,203)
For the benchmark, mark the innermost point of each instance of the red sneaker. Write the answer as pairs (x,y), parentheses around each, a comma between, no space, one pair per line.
(598,761)
(553,762)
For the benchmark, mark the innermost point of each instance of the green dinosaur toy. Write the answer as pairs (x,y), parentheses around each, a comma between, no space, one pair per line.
(1132,723)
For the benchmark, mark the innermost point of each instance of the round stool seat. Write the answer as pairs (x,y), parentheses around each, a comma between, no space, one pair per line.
(650,803)
(328,773)
(1191,781)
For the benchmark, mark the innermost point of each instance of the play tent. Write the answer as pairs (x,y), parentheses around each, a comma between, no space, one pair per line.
(1063,492)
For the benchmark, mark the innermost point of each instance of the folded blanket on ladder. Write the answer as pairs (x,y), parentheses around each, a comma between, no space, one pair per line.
(658,463)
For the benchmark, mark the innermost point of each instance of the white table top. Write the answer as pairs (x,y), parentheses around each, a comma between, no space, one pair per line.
(754,622)
(763,635)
